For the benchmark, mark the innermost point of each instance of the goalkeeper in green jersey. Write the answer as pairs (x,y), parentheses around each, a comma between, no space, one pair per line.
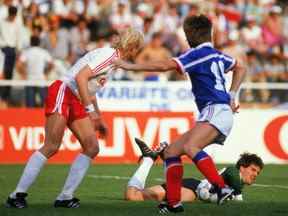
(244,172)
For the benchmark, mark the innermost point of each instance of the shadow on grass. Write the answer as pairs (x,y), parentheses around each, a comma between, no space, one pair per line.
(124,208)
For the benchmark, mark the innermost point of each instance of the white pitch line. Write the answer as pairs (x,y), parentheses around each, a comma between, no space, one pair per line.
(274,186)
(109,177)
(162,180)
(119,177)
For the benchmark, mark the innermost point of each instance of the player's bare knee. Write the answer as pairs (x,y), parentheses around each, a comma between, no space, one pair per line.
(91,146)
(191,150)
(169,152)
(133,194)
(49,150)
(129,196)
(92,150)
(165,154)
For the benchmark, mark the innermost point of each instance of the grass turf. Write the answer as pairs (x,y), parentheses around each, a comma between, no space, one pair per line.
(102,194)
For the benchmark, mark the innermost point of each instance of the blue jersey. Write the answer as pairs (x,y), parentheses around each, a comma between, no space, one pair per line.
(206,67)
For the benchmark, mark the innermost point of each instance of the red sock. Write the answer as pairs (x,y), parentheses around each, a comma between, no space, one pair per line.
(174,173)
(207,167)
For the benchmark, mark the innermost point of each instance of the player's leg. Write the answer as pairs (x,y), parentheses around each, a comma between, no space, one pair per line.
(189,189)
(199,137)
(192,143)
(187,195)
(84,132)
(174,171)
(215,122)
(135,187)
(138,179)
(156,192)
(54,130)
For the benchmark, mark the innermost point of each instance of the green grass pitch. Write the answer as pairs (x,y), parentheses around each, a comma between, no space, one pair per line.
(101,193)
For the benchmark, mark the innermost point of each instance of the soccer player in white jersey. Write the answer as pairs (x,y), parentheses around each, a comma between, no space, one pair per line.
(72,102)
(205,67)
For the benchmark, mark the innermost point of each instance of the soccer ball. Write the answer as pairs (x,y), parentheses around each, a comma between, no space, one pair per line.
(204,194)
(213,197)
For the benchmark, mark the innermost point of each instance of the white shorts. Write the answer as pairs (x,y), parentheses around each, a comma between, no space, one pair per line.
(220,116)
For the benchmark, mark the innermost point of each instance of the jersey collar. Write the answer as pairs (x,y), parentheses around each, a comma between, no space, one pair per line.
(206,44)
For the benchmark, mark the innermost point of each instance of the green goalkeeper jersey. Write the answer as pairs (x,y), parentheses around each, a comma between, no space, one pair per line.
(232,178)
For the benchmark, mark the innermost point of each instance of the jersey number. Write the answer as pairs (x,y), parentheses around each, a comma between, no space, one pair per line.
(217,68)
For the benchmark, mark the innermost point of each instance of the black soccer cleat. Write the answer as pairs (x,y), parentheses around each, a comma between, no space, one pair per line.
(145,150)
(164,208)
(71,203)
(161,148)
(223,194)
(18,202)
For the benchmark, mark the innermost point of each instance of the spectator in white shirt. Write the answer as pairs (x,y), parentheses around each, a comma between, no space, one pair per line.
(10,42)
(122,19)
(80,36)
(34,63)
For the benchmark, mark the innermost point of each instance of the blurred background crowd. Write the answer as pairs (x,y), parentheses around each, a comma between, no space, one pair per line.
(41,39)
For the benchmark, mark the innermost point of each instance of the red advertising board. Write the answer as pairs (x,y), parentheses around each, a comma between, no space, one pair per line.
(22,132)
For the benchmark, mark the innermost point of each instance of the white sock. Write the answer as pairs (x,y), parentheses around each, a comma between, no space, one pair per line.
(77,172)
(30,173)
(139,178)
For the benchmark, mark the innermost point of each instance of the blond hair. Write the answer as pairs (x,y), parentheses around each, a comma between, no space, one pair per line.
(129,38)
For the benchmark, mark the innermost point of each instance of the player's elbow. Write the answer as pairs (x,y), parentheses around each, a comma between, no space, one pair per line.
(240,69)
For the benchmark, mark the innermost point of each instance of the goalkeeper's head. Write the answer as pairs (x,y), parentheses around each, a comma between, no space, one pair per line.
(246,159)
(250,166)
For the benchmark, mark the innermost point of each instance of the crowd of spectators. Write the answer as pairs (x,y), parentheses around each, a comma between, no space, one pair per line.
(40,39)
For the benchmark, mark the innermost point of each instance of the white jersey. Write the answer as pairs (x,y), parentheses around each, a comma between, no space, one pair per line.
(99,61)
(36,59)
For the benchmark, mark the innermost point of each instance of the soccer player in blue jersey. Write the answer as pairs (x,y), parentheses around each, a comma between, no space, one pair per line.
(205,67)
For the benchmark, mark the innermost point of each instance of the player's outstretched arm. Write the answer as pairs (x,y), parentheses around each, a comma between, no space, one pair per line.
(160,66)
(239,73)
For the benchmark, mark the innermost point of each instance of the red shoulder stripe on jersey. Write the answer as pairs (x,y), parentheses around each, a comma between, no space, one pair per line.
(104,63)
(179,68)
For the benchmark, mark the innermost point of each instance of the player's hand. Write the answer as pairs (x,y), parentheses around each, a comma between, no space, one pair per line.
(121,64)
(99,124)
(235,107)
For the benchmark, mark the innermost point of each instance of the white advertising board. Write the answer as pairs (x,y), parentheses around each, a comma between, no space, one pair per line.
(264,132)
(147,96)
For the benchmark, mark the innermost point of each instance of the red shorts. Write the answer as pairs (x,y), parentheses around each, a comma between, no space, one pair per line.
(60,99)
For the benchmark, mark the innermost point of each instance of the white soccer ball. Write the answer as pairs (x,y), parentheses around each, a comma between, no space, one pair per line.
(213,198)
(204,194)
